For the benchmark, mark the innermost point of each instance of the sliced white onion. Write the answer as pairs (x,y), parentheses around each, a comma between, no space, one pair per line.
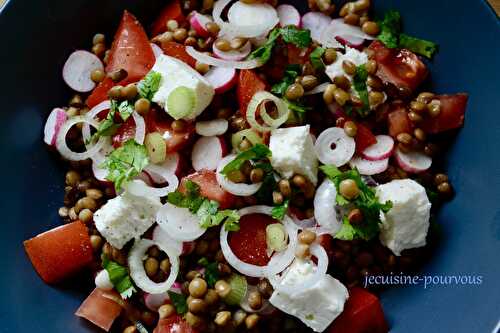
(231,187)
(156,50)
(140,128)
(337,28)
(305,223)
(139,188)
(318,89)
(104,105)
(335,147)
(179,223)
(258,103)
(63,148)
(138,274)
(98,159)
(162,237)
(324,207)
(171,165)
(211,127)
(209,60)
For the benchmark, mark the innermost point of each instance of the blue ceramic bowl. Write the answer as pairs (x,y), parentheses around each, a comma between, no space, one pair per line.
(37,37)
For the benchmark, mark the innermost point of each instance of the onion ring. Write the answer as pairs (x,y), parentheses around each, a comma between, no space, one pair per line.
(231,187)
(63,148)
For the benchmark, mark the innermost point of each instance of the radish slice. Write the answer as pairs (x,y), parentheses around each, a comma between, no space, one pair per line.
(138,274)
(234,188)
(156,50)
(353,42)
(162,237)
(206,59)
(369,168)
(154,301)
(140,128)
(337,28)
(316,22)
(233,55)
(288,15)
(63,148)
(77,70)
(207,153)
(335,147)
(199,23)
(179,223)
(221,78)
(324,207)
(414,162)
(212,127)
(170,166)
(56,119)
(380,150)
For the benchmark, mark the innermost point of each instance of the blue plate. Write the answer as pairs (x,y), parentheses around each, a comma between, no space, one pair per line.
(37,37)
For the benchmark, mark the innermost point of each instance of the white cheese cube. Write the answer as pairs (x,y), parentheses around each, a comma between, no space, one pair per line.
(293,152)
(335,69)
(406,225)
(175,74)
(316,306)
(126,217)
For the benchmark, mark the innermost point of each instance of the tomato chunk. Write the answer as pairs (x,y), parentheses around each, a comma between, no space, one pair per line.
(451,116)
(210,188)
(100,93)
(158,121)
(326,241)
(248,84)
(364,138)
(249,243)
(60,252)
(178,51)
(172,11)
(100,310)
(362,314)
(297,55)
(131,50)
(402,68)
(174,324)
(399,122)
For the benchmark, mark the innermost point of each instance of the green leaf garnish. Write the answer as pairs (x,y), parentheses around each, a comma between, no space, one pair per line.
(417,45)
(279,211)
(257,152)
(148,86)
(291,72)
(211,271)
(359,84)
(125,109)
(179,302)
(316,58)
(119,277)
(264,52)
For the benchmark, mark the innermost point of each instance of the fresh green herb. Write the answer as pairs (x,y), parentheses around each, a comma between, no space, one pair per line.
(148,86)
(291,72)
(119,277)
(264,52)
(316,58)
(310,316)
(279,211)
(359,84)
(265,192)
(125,163)
(391,36)
(257,152)
(297,107)
(179,302)
(211,271)
(366,201)
(125,109)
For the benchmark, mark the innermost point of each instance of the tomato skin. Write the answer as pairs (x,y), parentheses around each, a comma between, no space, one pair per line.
(249,243)
(100,310)
(362,314)
(326,241)
(364,138)
(451,116)
(157,120)
(124,133)
(100,93)
(178,51)
(174,324)
(172,11)
(59,253)
(248,84)
(209,188)
(399,122)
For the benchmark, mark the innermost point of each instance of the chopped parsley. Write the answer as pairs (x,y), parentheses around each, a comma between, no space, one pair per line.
(391,36)
(125,162)
(278,212)
(119,277)
(366,201)
(108,126)
(211,271)
(359,84)
(291,72)
(316,58)
(179,302)
(257,152)
(148,86)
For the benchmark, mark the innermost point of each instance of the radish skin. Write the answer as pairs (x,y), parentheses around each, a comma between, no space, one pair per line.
(413,162)
(78,68)
(380,150)
(207,153)
(56,119)
(222,79)
(199,24)
(288,15)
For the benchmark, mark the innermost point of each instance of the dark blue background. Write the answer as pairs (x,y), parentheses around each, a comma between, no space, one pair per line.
(37,37)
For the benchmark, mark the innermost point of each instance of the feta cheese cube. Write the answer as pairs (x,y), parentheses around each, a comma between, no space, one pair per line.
(293,152)
(335,69)
(406,225)
(126,217)
(316,306)
(175,74)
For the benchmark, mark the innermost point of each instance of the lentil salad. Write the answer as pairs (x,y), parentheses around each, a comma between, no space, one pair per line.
(224,169)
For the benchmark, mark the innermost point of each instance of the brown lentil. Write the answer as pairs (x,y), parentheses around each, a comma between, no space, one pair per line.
(222,318)
(165,37)
(178,126)
(351,19)
(197,287)
(346,9)
(72,111)
(370,28)
(277,198)
(405,148)
(85,215)
(130,91)
(166,310)
(444,188)
(342,81)
(118,75)
(371,67)
(193,319)
(307,237)
(72,178)
(348,189)
(96,242)
(330,56)
(172,25)
(115,92)
(251,321)
(355,216)
(99,49)
(255,300)
(350,128)
(180,34)
(196,305)
(94,193)
(151,266)
(299,181)
(414,117)
(434,108)
(213,28)
(329,93)
(237,43)
(63,212)
(375,97)
(308,82)
(284,187)
(374,82)
(83,186)
(239,317)
(130,329)
(246,168)
(191,41)
(308,69)
(440,178)
(211,297)
(349,67)
(201,67)
(256,175)
(425,97)
(192,274)
(98,38)
(142,106)
(223,45)
(236,176)
(341,96)
(294,91)
(417,106)
(222,288)
(97,75)
(420,134)
(303,251)
(404,138)
(154,251)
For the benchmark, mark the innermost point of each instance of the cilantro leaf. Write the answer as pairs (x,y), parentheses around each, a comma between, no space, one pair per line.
(420,46)
(291,72)
(191,200)
(125,163)
(125,109)
(316,58)
(299,37)
(148,86)
(264,52)
(257,152)
(279,211)
(359,84)
(179,302)
(347,231)
(211,271)
(119,277)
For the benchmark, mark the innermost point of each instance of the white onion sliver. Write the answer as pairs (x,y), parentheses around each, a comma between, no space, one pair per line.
(139,188)
(318,89)
(179,223)
(162,237)
(280,260)
(324,207)
(140,128)
(209,60)
(138,274)
(257,101)
(231,187)
(63,148)
(105,105)
(211,127)
(337,28)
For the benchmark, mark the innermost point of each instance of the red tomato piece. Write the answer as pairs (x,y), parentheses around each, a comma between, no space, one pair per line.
(174,324)
(249,243)
(178,51)
(100,310)
(451,116)
(401,68)
(248,84)
(100,93)
(124,133)
(158,121)
(172,11)
(362,314)
(364,138)
(60,252)
(209,188)
(326,241)
(297,55)
(131,50)
(399,122)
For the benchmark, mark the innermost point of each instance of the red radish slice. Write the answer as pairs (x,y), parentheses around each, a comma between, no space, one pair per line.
(156,50)
(207,152)
(414,162)
(369,168)
(212,127)
(154,301)
(316,22)
(56,119)
(381,150)
(288,15)
(335,147)
(77,70)
(233,55)
(221,78)
(352,41)
(199,23)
